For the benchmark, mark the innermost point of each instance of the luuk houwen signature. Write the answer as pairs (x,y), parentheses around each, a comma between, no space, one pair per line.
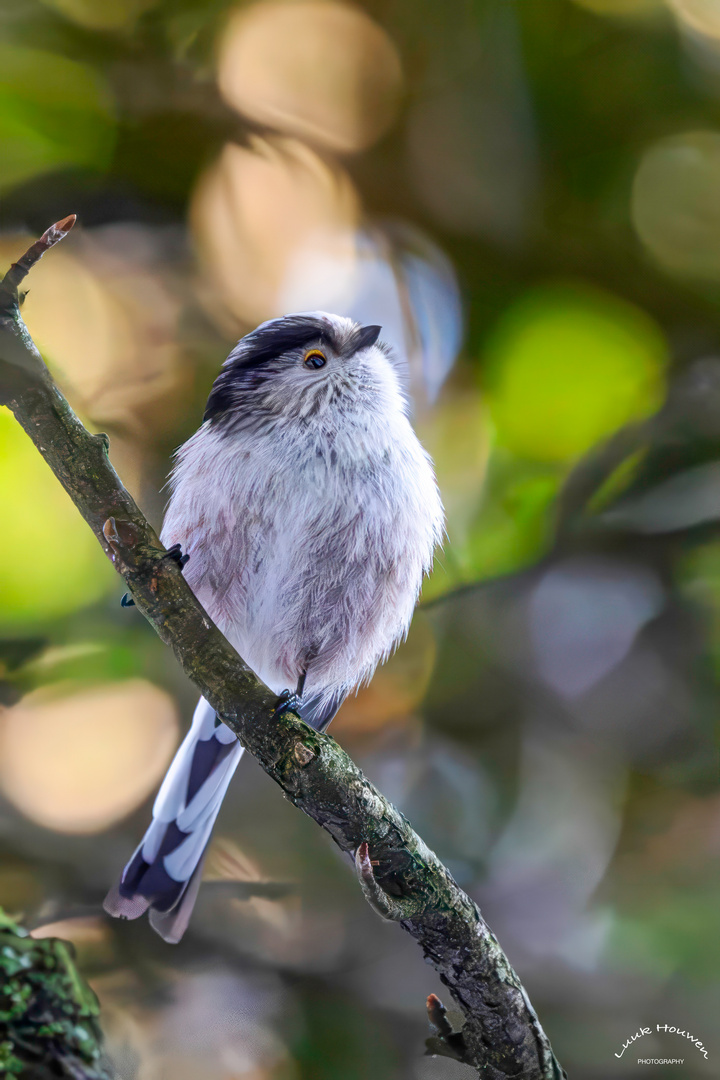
(671,1030)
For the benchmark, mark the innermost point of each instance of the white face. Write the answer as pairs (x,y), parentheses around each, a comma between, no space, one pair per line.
(318,378)
(310,367)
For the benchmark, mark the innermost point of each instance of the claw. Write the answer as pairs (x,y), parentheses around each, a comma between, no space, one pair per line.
(287,702)
(127,600)
(176,555)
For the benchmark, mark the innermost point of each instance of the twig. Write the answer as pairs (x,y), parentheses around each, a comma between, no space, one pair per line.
(447,1042)
(18,270)
(501,1036)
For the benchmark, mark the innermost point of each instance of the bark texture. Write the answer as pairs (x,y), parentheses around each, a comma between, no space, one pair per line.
(501,1036)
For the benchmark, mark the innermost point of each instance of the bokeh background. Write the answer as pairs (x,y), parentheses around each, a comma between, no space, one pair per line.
(527,196)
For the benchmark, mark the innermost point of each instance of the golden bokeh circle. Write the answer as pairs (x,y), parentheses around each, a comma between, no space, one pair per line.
(77,760)
(317,69)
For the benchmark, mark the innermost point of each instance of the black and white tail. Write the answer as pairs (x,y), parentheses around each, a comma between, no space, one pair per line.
(164,873)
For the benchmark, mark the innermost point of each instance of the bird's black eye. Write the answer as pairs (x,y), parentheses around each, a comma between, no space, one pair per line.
(315,359)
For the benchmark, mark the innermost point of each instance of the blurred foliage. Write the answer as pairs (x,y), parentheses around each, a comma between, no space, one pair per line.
(44,533)
(609,356)
(550,726)
(54,113)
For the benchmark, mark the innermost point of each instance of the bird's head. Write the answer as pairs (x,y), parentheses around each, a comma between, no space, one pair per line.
(308,367)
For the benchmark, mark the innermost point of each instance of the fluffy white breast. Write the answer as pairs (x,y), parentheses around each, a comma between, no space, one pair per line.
(308,543)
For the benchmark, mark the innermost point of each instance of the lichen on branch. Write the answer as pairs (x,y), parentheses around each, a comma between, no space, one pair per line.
(48,1014)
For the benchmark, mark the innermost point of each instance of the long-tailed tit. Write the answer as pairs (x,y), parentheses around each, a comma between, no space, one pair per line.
(309,512)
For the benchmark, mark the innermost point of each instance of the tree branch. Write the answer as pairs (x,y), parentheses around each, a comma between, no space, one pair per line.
(402,879)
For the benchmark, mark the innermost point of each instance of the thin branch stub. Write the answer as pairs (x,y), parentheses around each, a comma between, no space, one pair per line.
(20,269)
(395,909)
(447,1043)
(437,1015)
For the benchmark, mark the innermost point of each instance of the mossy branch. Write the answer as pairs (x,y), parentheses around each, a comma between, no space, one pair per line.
(48,1014)
(501,1036)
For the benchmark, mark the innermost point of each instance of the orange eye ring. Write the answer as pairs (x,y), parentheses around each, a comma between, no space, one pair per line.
(314,359)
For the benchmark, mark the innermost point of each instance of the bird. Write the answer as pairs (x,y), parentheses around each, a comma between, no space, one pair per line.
(305,513)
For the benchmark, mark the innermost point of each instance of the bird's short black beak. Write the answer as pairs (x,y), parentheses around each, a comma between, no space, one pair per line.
(366,336)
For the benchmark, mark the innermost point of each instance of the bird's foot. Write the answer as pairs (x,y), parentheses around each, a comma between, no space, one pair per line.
(287,702)
(176,554)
